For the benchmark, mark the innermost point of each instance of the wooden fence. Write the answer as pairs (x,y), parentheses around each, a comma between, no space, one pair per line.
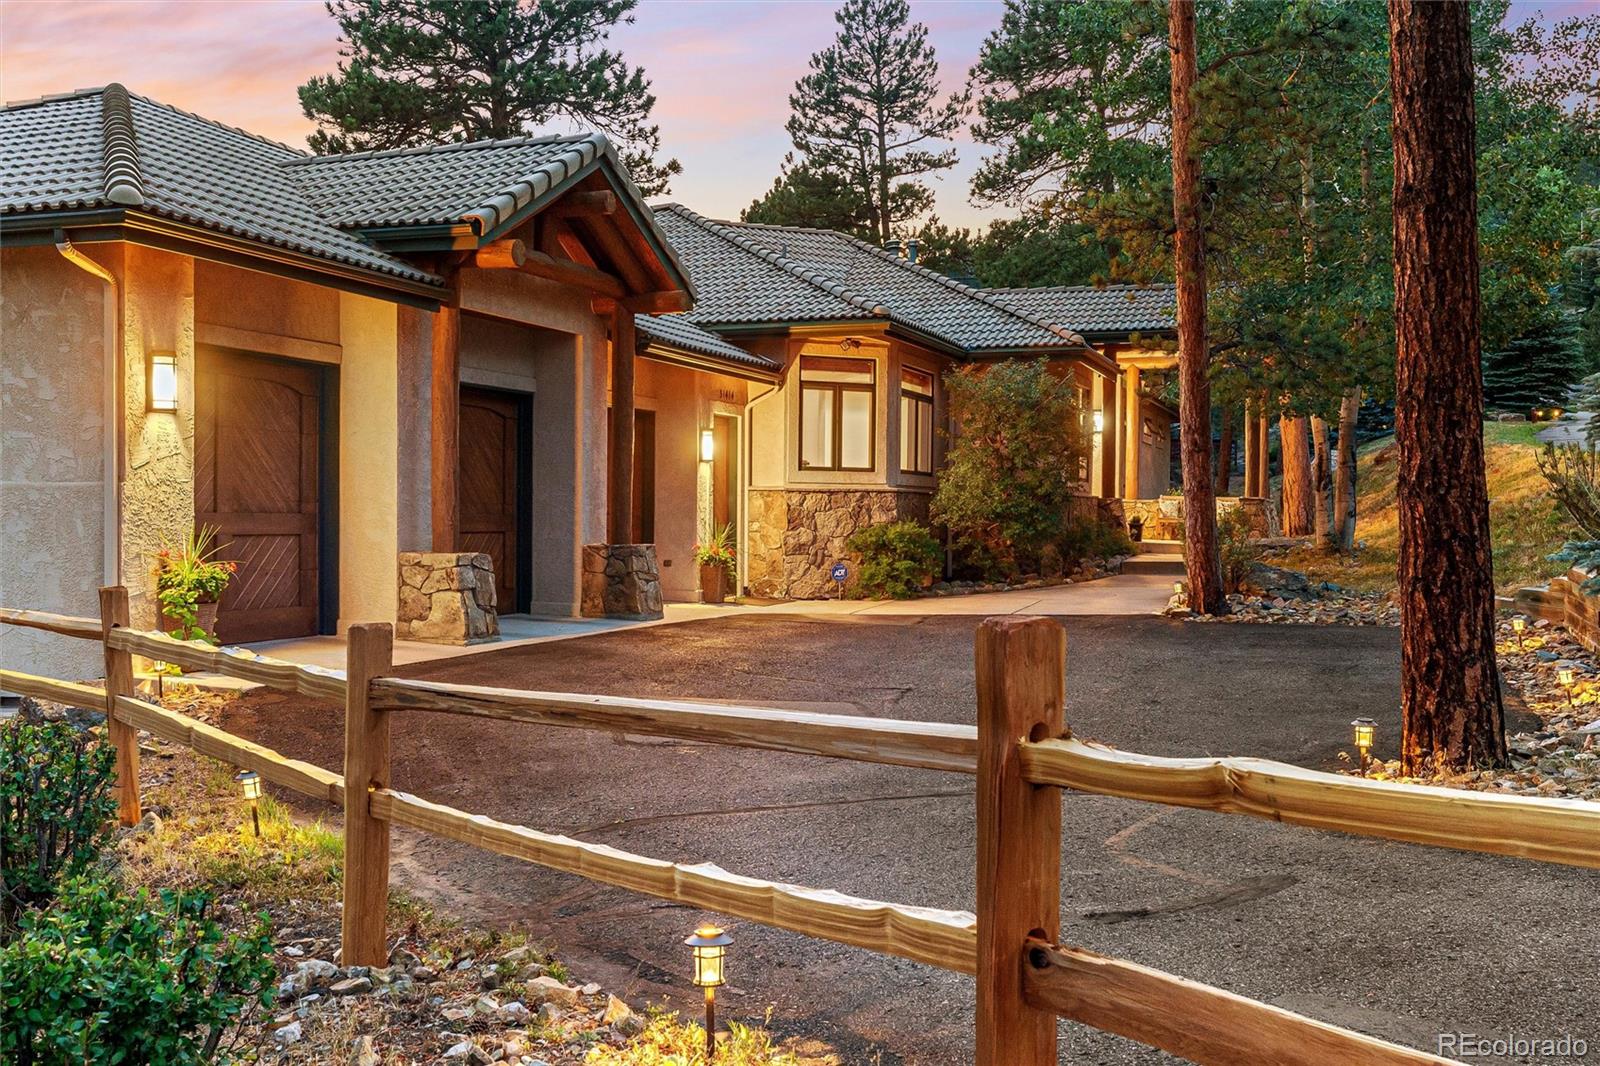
(1020,751)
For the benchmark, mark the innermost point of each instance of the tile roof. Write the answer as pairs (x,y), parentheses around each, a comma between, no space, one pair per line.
(1094,311)
(675,331)
(748,274)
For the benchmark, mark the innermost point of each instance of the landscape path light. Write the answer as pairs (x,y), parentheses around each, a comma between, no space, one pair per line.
(250,783)
(1565,677)
(1517,626)
(710,946)
(1366,731)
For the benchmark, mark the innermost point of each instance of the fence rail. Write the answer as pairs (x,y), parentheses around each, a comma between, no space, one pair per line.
(1021,752)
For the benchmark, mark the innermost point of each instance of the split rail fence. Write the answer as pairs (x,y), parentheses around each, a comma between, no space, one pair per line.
(1021,752)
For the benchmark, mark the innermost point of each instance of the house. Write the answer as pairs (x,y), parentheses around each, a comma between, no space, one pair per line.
(402,385)
(851,432)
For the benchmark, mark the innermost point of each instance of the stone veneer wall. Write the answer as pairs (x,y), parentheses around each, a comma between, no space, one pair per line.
(1562,601)
(447,598)
(621,581)
(796,535)
(1168,511)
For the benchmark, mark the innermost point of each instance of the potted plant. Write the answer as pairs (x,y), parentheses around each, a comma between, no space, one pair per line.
(190,580)
(716,558)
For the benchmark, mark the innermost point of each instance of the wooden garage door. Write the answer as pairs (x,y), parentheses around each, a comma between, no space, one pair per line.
(491,435)
(256,449)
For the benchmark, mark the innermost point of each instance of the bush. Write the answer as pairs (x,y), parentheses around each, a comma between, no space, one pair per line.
(1572,474)
(1089,538)
(1012,467)
(897,558)
(103,977)
(56,808)
(1234,550)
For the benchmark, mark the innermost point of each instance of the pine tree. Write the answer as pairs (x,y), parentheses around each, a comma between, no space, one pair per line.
(869,108)
(418,71)
(804,195)
(1536,369)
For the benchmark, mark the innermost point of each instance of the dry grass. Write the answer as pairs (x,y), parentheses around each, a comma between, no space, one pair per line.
(1524,522)
(669,1042)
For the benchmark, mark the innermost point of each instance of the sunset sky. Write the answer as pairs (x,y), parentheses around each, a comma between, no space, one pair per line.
(722,71)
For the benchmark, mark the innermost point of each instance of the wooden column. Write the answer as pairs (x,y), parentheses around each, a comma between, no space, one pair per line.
(1021,676)
(1252,449)
(369,653)
(1130,456)
(447,424)
(119,682)
(620,481)
(1263,457)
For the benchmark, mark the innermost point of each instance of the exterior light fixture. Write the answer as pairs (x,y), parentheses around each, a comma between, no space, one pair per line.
(1099,421)
(708,445)
(1566,679)
(161,381)
(1517,626)
(1366,731)
(250,784)
(710,946)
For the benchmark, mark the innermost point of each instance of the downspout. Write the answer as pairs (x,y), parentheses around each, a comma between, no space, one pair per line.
(111,474)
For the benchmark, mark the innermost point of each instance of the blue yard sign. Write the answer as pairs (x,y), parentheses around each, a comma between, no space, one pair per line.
(839,572)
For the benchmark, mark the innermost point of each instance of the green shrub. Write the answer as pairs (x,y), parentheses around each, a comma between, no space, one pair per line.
(1013,466)
(1234,550)
(897,558)
(1089,538)
(103,977)
(1575,484)
(56,808)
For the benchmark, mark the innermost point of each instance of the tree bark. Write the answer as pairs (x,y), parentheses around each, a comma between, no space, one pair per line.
(1450,698)
(1224,469)
(1321,485)
(1344,482)
(1200,560)
(1294,441)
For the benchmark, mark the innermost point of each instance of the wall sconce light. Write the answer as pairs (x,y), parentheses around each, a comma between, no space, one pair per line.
(161,381)
(250,783)
(1366,731)
(1099,421)
(708,445)
(710,946)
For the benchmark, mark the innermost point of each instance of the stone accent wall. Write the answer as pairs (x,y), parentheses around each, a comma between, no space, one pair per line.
(1563,602)
(621,581)
(447,598)
(1163,516)
(796,535)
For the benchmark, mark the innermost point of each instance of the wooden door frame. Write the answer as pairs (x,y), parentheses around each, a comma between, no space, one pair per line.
(522,580)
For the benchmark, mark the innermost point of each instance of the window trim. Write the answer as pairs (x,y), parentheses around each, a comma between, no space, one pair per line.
(916,399)
(837,389)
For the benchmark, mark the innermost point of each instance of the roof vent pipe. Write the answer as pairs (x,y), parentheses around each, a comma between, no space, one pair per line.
(892,246)
(912,244)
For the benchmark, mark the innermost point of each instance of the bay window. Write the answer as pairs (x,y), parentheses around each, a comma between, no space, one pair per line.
(916,421)
(837,413)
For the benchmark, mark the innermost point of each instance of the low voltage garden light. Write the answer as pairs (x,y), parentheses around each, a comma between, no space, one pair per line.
(250,783)
(1366,731)
(710,946)
(1567,681)
(1517,626)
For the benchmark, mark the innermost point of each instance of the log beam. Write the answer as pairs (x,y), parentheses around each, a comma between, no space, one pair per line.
(591,204)
(541,265)
(447,422)
(620,482)
(508,254)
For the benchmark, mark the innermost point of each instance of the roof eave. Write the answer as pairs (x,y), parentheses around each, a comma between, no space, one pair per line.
(676,355)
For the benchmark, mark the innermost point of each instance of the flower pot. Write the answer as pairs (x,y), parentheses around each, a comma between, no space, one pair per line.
(205,615)
(713,583)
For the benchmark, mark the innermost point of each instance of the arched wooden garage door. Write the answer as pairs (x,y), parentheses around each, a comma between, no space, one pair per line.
(256,461)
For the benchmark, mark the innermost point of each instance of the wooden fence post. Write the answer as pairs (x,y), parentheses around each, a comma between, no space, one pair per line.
(369,653)
(1021,675)
(119,682)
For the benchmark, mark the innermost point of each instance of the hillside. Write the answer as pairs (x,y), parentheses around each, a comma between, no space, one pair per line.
(1525,522)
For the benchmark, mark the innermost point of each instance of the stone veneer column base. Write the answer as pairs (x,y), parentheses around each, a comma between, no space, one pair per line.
(796,535)
(621,581)
(447,598)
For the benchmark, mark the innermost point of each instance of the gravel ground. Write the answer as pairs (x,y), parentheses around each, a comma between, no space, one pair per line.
(1391,939)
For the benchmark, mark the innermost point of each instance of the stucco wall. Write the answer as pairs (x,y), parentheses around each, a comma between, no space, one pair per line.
(250,311)
(368,461)
(414,385)
(53,381)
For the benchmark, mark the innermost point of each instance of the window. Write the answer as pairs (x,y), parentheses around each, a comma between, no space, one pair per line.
(836,413)
(916,421)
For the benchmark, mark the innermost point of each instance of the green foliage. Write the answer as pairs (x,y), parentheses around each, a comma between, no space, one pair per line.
(1537,369)
(897,558)
(56,810)
(189,575)
(105,977)
(806,195)
(419,71)
(1015,461)
(718,549)
(1037,249)
(1574,477)
(1234,550)
(1090,538)
(869,102)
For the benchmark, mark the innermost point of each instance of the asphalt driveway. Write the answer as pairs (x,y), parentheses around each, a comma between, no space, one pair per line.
(1395,940)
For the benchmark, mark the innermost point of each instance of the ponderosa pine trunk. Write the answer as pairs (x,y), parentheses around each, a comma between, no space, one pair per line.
(1450,699)
(1344,481)
(1224,468)
(1194,386)
(1321,485)
(1294,444)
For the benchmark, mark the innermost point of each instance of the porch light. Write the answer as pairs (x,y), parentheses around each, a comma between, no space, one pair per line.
(250,784)
(1517,626)
(161,381)
(1099,421)
(708,445)
(1366,731)
(710,945)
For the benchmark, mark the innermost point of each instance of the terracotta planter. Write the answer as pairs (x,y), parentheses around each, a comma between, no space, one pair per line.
(713,584)
(205,614)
